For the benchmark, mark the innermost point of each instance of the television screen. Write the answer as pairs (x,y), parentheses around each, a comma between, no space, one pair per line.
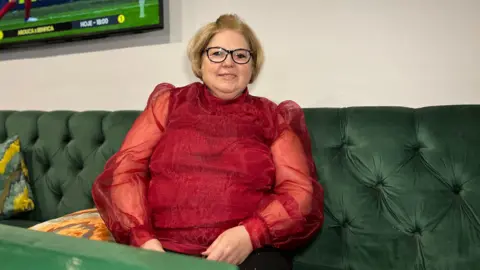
(26,21)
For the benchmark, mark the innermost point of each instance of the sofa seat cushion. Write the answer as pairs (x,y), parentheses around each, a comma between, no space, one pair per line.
(22,223)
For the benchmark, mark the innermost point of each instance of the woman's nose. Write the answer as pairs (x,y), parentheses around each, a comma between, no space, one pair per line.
(229,60)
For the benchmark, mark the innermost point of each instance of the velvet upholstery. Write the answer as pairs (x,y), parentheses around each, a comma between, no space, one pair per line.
(402,185)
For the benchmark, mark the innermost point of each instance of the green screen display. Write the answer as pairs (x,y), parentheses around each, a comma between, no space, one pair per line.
(23,21)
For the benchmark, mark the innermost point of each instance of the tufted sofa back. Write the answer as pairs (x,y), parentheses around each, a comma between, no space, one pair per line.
(64,152)
(402,186)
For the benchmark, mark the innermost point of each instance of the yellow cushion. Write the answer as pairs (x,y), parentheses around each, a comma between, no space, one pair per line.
(81,224)
(15,191)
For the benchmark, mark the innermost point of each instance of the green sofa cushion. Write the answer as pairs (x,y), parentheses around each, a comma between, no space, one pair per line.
(22,223)
(25,249)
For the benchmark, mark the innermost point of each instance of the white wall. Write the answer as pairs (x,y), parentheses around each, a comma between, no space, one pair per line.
(319,53)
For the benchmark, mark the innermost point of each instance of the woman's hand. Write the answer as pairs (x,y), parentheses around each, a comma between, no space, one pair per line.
(153,244)
(232,246)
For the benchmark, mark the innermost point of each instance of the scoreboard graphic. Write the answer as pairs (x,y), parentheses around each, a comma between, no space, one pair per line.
(23,21)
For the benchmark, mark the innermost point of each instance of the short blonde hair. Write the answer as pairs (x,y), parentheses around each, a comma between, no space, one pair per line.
(200,40)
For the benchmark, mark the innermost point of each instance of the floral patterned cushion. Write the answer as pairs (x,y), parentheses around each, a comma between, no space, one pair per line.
(15,191)
(81,224)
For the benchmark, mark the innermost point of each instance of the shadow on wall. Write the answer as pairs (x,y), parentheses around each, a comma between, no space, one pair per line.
(118,41)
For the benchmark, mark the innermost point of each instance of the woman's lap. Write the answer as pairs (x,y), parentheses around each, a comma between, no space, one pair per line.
(266,259)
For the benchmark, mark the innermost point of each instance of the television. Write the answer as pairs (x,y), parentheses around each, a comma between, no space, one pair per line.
(23,22)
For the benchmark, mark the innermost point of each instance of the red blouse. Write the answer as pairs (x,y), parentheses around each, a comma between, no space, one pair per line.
(193,165)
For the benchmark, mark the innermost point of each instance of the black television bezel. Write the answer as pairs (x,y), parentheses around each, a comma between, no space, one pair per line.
(88,36)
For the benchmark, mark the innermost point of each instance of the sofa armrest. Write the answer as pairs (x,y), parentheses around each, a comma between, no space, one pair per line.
(26,249)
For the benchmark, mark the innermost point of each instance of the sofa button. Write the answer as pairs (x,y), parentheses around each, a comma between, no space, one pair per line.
(78,166)
(344,144)
(417,147)
(416,231)
(34,140)
(101,140)
(67,138)
(456,188)
(46,165)
(380,182)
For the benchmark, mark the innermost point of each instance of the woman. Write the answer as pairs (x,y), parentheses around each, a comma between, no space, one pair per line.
(209,170)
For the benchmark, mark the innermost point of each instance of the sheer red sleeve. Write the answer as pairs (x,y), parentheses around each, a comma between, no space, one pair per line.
(293,213)
(119,192)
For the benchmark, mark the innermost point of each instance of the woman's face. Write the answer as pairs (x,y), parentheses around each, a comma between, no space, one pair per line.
(227,79)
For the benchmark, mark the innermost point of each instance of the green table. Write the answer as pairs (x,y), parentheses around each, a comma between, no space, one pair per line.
(27,249)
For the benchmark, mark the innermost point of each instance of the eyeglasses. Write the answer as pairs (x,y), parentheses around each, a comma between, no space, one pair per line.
(219,54)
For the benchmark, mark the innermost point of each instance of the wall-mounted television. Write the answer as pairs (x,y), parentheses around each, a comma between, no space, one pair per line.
(23,22)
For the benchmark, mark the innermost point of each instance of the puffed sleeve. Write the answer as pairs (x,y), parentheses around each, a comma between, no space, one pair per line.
(293,212)
(119,192)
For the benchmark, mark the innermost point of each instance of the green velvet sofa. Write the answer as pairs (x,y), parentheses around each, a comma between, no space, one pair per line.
(402,189)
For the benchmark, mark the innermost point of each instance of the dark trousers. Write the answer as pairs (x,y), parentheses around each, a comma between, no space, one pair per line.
(267,259)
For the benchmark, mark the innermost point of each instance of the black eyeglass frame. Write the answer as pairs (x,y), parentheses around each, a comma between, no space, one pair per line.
(229,52)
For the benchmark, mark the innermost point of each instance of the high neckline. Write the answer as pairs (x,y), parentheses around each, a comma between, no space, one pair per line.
(214,100)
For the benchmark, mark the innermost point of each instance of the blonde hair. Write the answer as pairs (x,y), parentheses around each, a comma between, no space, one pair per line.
(200,40)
